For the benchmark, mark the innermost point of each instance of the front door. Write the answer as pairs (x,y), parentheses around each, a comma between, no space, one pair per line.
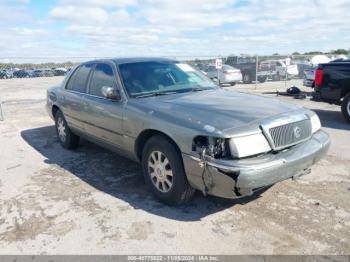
(105,116)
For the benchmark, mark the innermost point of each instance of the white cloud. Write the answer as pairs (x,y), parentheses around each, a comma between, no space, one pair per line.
(168,27)
(81,15)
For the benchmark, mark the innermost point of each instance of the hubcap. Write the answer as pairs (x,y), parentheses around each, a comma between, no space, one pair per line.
(348,108)
(160,171)
(61,129)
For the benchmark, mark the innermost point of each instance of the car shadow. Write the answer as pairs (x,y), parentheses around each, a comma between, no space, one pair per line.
(332,119)
(120,177)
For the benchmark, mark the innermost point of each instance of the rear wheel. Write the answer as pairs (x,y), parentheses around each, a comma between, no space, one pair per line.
(247,79)
(345,107)
(164,171)
(67,139)
(262,79)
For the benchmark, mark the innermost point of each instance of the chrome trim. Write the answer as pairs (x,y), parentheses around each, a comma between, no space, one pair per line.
(283,120)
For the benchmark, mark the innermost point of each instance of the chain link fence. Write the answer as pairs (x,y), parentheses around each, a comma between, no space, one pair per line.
(231,70)
(253,68)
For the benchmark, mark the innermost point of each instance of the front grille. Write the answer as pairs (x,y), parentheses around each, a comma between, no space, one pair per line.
(290,134)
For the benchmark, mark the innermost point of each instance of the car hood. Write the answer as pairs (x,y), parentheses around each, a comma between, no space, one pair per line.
(220,110)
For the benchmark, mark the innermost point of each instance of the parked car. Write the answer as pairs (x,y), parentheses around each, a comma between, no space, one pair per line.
(279,70)
(4,74)
(309,77)
(60,71)
(332,85)
(249,67)
(186,132)
(43,73)
(22,73)
(226,75)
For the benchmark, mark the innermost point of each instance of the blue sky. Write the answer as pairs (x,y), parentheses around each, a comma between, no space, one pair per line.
(96,28)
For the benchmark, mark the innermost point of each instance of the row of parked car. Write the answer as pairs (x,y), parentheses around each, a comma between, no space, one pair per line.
(247,69)
(26,73)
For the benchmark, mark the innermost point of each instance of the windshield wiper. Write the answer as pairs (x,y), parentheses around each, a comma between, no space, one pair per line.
(196,89)
(156,94)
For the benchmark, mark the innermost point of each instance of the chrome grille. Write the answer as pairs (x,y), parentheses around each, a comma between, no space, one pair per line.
(290,134)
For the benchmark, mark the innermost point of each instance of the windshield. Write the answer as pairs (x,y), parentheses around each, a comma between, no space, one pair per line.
(143,78)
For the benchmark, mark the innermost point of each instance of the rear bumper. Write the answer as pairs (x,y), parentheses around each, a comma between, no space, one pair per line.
(238,178)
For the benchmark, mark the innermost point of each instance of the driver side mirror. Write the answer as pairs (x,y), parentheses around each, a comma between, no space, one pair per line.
(110,93)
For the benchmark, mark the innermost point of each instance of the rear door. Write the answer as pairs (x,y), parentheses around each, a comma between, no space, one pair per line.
(75,107)
(105,116)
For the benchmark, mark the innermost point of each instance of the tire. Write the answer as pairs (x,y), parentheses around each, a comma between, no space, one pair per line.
(167,181)
(262,79)
(247,79)
(233,83)
(65,136)
(345,107)
(278,77)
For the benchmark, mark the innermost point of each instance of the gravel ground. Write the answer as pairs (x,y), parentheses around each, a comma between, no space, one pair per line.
(92,201)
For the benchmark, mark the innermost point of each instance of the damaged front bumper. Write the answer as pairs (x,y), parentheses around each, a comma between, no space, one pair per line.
(238,178)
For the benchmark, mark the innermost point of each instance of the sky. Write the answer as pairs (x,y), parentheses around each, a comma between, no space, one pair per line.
(105,28)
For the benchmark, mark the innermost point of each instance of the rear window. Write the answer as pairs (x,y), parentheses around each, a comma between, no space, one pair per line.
(78,80)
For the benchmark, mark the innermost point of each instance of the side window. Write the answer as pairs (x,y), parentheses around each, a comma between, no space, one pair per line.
(102,76)
(78,80)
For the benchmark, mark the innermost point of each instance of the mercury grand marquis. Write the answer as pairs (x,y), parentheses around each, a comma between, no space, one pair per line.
(187,133)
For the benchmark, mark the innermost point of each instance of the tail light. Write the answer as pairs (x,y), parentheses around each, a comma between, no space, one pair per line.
(319,77)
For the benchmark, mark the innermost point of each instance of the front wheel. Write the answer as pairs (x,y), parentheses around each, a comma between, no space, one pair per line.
(65,136)
(164,171)
(345,107)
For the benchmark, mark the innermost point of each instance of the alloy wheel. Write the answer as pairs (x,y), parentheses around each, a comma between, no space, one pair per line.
(61,129)
(160,171)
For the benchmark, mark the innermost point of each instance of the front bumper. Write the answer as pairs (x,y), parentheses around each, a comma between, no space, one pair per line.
(238,178)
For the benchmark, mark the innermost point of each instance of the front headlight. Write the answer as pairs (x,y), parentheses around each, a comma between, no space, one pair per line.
(249,145)
(315,123)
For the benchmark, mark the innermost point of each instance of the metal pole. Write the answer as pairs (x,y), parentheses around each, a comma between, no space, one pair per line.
(256,72)
(1,114)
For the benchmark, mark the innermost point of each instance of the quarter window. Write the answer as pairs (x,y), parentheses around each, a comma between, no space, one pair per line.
(102,76)
(78,80)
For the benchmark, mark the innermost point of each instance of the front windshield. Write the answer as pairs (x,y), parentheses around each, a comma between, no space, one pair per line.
(151,78)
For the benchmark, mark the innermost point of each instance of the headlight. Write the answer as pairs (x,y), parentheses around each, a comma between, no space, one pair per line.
(315,123)
(249,145)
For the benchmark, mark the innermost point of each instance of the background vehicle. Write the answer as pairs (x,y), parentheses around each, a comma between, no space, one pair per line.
(4,74)
(248,68)
(185,131)
(279,70)
(332,85)
(227,74)
(59,71)
(302,66)
(309,77)
(43,73)
(22,73)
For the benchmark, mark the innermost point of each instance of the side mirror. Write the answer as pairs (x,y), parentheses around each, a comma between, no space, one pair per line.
(110,93)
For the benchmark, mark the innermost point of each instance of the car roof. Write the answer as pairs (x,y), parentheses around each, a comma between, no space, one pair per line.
(127,60)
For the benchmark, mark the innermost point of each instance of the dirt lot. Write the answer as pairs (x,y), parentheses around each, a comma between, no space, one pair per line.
(91,201)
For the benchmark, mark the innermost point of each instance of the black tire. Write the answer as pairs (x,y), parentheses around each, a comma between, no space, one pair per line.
(233,83)
(247,78)
(278,77)
(262,79)
(345,107)
(180,191)
(71,140)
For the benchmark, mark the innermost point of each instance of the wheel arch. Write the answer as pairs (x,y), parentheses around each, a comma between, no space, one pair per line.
(145,135)
(54,110)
